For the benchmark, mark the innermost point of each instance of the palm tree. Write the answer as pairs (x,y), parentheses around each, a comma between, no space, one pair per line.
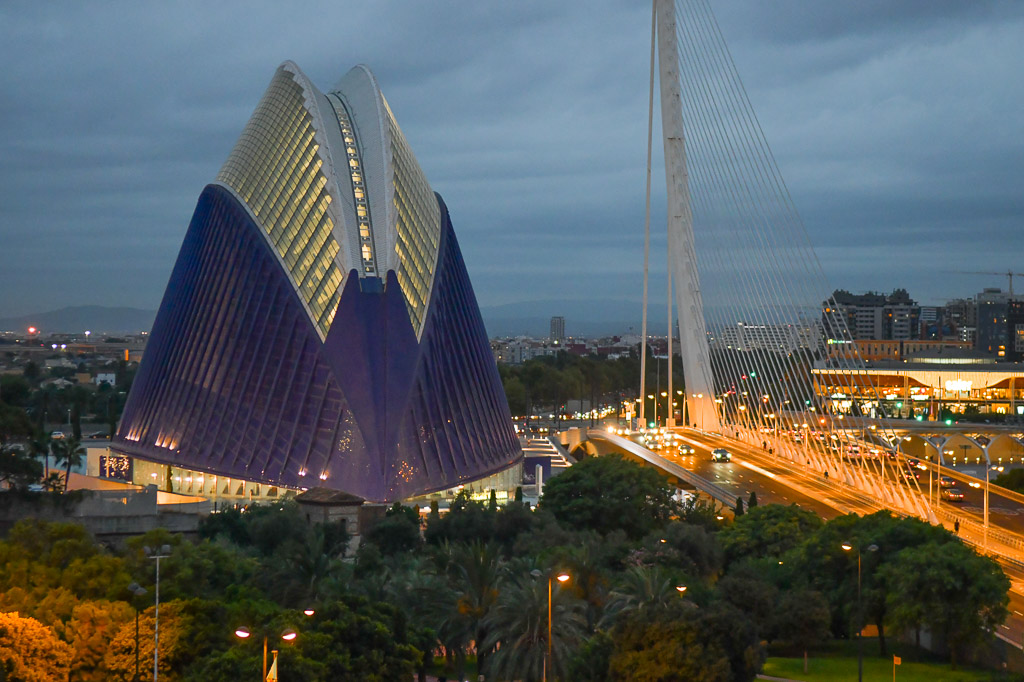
(425,597)
(650,588)
(41,446)
(311,564)
(474,573)
(518,627)
(69,452)
(589,582)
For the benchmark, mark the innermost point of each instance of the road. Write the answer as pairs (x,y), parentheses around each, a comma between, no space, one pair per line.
(777,481)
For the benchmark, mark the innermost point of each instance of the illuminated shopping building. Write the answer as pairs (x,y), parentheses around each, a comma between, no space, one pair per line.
(922,384)
(319,328)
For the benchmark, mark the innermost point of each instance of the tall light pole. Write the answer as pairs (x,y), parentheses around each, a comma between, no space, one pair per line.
(288,636)
(561,577)
(137,591)
(157,554)
(848,546)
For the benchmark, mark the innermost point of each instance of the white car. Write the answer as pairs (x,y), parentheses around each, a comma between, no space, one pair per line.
(57,435)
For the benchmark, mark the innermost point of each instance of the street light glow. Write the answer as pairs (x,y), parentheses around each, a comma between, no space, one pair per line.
(681,588)
(288,635)
(562,577)
(847,546)
(243,633)
(309,612)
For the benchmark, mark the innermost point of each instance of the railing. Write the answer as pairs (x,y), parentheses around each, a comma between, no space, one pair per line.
(698,482)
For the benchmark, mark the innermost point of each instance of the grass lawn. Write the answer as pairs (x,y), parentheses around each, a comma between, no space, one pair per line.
(839,664)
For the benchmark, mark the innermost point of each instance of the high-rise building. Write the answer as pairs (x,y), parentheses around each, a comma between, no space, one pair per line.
(1015,330)
(873,316)
(993,335)
(558,329)
(962,317)
(319,327)
(775,337)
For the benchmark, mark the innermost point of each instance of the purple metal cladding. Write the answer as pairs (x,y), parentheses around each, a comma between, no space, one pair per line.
(236,382)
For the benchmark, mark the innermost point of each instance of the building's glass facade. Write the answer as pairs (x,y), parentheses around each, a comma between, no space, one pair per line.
(285,353)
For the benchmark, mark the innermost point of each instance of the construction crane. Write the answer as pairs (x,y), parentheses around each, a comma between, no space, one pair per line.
(1008,274)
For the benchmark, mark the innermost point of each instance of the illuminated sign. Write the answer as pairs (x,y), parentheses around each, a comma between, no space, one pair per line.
(958,385)
(117,468)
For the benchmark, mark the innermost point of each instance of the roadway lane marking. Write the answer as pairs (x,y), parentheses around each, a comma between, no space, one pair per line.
(1019,613)
(754,467)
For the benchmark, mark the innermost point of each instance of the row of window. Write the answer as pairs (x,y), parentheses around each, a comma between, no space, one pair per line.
(277,170)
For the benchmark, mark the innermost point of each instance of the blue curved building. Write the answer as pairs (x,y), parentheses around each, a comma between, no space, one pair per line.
(319,328)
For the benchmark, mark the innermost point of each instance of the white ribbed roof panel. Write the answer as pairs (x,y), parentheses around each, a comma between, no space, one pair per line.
(336,188)
(365,105)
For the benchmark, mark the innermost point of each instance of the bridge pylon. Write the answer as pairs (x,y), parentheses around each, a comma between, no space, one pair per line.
(693,337)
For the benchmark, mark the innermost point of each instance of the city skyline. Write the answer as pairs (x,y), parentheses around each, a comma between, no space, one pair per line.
(865,109)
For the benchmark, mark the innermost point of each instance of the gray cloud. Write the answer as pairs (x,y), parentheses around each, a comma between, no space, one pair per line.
(893,123)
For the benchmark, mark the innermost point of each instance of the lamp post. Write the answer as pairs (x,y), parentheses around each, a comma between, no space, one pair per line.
(157,554)
(288,636)
(807,435)
(137,591)
(848,546)
(561,577)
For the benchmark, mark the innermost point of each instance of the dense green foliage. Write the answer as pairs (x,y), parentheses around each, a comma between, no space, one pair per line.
(1012,479)
(550,381)
(656,591)
(609,493)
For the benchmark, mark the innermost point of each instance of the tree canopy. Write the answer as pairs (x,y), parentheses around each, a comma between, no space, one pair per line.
(610,493)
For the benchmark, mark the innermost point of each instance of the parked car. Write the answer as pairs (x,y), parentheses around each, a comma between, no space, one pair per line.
(946,482)
(57,435)
(952,495)
(720,455)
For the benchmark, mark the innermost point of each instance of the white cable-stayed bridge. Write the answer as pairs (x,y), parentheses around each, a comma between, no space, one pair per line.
(768,361)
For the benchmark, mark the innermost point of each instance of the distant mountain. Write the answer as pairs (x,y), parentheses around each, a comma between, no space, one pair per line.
(583,317)
(95,318)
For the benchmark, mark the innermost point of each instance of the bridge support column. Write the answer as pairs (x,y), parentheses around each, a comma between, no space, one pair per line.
(693,338)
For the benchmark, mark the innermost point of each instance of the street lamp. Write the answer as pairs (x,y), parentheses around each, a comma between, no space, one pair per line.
(137,591)
(157,554)
(849,546)
(288,635)
(562,578)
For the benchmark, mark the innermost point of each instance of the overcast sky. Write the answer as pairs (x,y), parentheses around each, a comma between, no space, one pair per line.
(897,125)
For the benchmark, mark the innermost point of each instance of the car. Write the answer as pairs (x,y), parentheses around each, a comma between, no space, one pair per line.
(912,473)
(720,455)
(686,450)
(946,482)
(57,435)
(952,495)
